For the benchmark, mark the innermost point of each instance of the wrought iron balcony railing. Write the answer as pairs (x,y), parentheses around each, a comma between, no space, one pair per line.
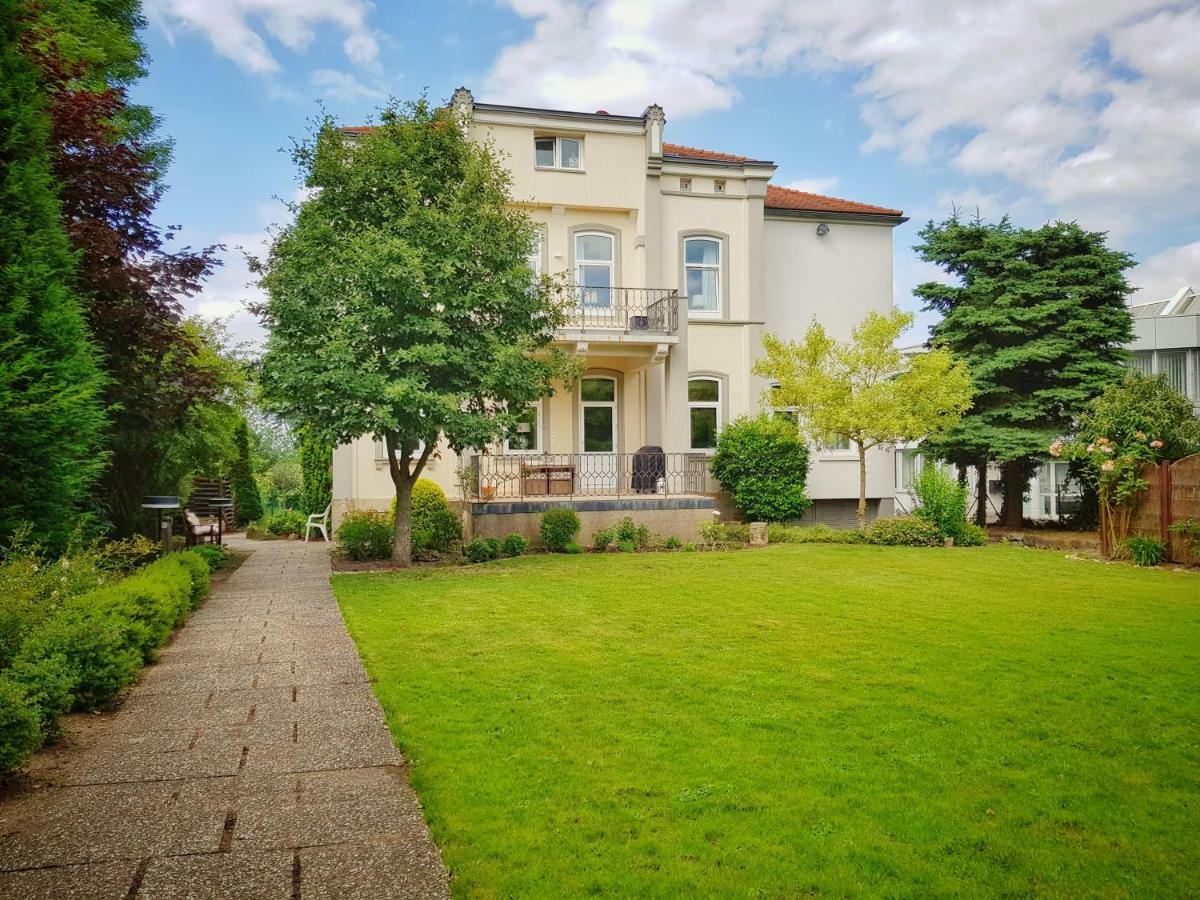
(533,476)
(631,310)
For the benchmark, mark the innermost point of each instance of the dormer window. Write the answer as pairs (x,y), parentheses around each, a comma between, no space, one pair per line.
(558,153)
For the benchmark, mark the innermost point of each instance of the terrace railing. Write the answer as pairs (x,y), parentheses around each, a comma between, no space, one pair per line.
(631,310)
(525,476)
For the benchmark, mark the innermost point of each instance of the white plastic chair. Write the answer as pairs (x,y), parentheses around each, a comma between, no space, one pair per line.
(320,522)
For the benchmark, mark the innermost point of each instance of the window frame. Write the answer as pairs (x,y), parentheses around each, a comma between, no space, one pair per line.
(719,269)
(557,165)
(613,404)
(715,405)
(579,263)
(685,185)
(536,450)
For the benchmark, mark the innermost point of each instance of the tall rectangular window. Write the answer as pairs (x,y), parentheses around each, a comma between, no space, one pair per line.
(704,411)
(702,273)
(1143,362)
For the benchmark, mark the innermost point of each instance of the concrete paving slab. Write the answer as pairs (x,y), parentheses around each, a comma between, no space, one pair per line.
(252,761)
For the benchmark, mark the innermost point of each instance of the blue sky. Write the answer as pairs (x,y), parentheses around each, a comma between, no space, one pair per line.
(1086,110)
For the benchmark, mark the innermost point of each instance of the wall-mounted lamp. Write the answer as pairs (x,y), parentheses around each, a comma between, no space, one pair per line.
(822,230)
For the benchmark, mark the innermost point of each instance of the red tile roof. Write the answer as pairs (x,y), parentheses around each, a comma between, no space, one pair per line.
(357,129)
(787,198)
(697,153)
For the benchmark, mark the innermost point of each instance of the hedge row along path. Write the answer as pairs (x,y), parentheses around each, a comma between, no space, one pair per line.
(251,761)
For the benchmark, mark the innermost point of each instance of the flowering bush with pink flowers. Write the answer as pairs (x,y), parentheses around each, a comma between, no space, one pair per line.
(1136,422)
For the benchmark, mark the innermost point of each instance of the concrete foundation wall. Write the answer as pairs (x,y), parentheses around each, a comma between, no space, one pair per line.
(526,519)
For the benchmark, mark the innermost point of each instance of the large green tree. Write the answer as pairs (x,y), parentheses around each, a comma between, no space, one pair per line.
(866,389)
(1039,316)
(401,304)
(50,384)
(109,164)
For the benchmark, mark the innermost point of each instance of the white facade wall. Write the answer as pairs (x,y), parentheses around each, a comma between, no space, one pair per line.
(777,274)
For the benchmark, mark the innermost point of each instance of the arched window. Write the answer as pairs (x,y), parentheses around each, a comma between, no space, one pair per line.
(704,411)
(702,275)
(594,264)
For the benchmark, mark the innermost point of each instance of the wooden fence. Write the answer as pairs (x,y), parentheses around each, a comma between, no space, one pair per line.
(1173,495)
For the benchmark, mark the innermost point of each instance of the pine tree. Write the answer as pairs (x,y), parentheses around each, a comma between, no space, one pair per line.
(1039,316)
(247,504)
(50,383)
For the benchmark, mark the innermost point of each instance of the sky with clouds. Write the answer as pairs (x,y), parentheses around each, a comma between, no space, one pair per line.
(1042,109)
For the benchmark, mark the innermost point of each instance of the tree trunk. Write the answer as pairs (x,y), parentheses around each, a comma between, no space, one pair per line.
(1014,494)
(981,492)
(402,536)
(862,487)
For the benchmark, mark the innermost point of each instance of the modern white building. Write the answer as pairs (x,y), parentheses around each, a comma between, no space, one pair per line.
(682,258)
(1167,341)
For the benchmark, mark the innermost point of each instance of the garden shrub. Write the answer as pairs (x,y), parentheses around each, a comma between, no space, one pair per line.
(212,554)
(603,539)
(514,545)
(1146,551)
(93,644)
(435,527)
(942,502)
(903,531)
(560,527)
(626,532)
(813,534)
(366,534)
(672,543)
(763,465)
(971,535)
(626,546)
(284,522)
(20,730)
(572,548)
(48,683)
(483,550)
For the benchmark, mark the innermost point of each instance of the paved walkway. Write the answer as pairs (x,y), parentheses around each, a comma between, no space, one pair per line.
(251,761)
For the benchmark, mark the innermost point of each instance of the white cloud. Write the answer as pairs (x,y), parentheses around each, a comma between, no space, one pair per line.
(1091,105)
(335,85)
(1163,274)
(232,287)
(235,27)
(814,185)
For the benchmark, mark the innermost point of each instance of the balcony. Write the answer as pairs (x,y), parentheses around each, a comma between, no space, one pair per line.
(632,311)
(562,476)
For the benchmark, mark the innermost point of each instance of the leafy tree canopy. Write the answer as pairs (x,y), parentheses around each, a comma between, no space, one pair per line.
(401,304)
(866,389)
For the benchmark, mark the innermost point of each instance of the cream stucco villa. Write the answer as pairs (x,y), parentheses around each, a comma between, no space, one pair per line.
(683,259)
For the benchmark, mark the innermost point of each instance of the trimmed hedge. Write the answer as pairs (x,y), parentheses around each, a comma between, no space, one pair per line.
(92,648)
(903,531)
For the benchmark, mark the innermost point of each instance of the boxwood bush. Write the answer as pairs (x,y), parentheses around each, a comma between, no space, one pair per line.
(514,545)
(365,534)
(435,527)
(483,550)
(560,527)
(91,647)
(762,463)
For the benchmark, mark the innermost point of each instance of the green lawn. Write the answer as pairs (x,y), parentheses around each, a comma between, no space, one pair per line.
(815,719)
